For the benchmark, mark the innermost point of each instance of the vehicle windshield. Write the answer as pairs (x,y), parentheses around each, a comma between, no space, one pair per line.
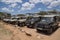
(47,19)
(23,18)
(34,19)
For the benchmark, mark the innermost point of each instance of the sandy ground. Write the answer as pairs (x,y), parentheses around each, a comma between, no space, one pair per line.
(18,33)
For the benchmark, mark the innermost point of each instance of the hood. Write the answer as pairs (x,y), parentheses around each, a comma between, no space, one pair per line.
(41,22)
(22,20)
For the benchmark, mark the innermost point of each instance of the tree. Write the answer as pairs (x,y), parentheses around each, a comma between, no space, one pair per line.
(8,15)
(20,15)
(53,11)
(42,13)
(30,13)
(1,13)
(4,15)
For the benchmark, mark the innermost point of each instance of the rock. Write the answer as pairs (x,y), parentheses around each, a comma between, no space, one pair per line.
(28,34)
(22,30)
(16,25)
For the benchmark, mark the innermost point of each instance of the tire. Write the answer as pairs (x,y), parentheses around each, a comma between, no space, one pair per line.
(23,24)
(38,30)
(28,26)
(55,27)
(20,24)
(49,31)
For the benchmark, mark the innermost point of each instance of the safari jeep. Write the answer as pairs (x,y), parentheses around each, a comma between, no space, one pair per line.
(6,20)
(47,24)
(21,21)
(30,23)
(11,20)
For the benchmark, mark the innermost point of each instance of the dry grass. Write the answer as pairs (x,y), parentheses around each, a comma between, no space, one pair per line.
(5,34)
(19,34)
(4,31)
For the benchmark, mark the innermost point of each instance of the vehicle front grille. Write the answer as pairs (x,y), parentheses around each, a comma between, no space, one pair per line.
(42,26)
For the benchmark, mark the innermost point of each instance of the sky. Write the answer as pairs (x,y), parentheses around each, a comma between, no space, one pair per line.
(28,6)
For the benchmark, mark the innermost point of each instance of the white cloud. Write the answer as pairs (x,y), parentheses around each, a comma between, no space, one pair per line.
(46,2)
(41,1)
(51,3)
(7,9)
(11,1)
(27,6)
(13,5)
(49,7)
(34,1)
(54,4)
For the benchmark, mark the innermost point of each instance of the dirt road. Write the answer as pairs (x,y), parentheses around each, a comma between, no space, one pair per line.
(18,33)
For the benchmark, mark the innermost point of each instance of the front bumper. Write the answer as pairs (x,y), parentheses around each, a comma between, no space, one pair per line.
(43,28)
(28,24)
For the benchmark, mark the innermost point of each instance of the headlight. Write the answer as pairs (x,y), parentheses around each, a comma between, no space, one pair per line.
(32,22)
(27,24)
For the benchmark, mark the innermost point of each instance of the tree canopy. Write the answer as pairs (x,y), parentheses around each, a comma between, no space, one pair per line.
(4,15)
(42,13)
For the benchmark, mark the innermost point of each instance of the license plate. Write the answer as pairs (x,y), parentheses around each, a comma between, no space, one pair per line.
(27,24)
(31,22)
(40,28)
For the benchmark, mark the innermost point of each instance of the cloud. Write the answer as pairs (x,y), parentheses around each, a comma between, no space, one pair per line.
(13,5)
(7,9)
(54,4)
(51,3)
(41,1)
(11,1)
(27,6)
(49,7)
(34,1)
(46,2)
